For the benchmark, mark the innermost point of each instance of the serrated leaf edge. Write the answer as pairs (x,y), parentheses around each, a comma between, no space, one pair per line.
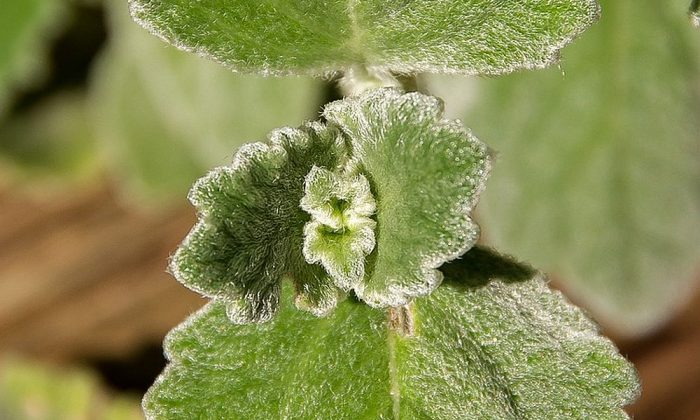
(139,13)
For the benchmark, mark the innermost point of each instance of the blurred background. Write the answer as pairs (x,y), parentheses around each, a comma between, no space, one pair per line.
(103,128)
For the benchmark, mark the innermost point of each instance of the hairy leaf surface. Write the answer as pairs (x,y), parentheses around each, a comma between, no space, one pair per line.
(598,173)
(250,231)
(314,37)
(378,199)
(426,174)
(492,342)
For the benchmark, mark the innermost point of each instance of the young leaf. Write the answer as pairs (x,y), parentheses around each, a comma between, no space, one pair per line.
(598,176)
(340,233)
(166,117)
(315,37)
(250,233)
(492,342)
(426,174)
(312,193)
(25,26)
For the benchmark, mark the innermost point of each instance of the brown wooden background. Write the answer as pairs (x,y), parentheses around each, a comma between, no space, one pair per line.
(82,281)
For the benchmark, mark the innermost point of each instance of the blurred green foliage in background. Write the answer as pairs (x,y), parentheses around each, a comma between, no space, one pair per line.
(597,180)
(166,116)
(29,391)
(154,117)
(25,28)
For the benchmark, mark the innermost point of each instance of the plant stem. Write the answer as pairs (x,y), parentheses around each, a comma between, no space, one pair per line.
(401,320)
(359,79)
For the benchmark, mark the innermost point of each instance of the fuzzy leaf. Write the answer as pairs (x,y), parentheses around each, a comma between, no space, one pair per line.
(166,116)
(340,233)
(25,26)
(598,175)
(250,233)
(314,37)
(493,342)
(426,173)
(314,192)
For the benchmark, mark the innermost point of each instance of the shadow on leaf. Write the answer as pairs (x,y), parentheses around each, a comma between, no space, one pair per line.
(480,265)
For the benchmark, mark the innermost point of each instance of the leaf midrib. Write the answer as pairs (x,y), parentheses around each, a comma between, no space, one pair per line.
(355,41)
(395,389)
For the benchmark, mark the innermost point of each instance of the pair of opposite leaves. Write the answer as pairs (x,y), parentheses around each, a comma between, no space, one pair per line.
(425,172)
(374,201)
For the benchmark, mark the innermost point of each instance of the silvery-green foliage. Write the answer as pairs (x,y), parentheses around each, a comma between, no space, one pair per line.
(250,233)
(374,202)
(492,343)
(340,233)
(378,199)
(315,37)
(597,179)
(427,173)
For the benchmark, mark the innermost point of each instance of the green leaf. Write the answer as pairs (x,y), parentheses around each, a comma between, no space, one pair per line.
(340,233)
(25,26)
(695,13)
(426,174)
(315,37)
(492,342)
(250,233)
(598,173)
(312,192)
(166,117)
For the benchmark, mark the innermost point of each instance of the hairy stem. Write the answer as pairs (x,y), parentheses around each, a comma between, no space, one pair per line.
(359,79)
